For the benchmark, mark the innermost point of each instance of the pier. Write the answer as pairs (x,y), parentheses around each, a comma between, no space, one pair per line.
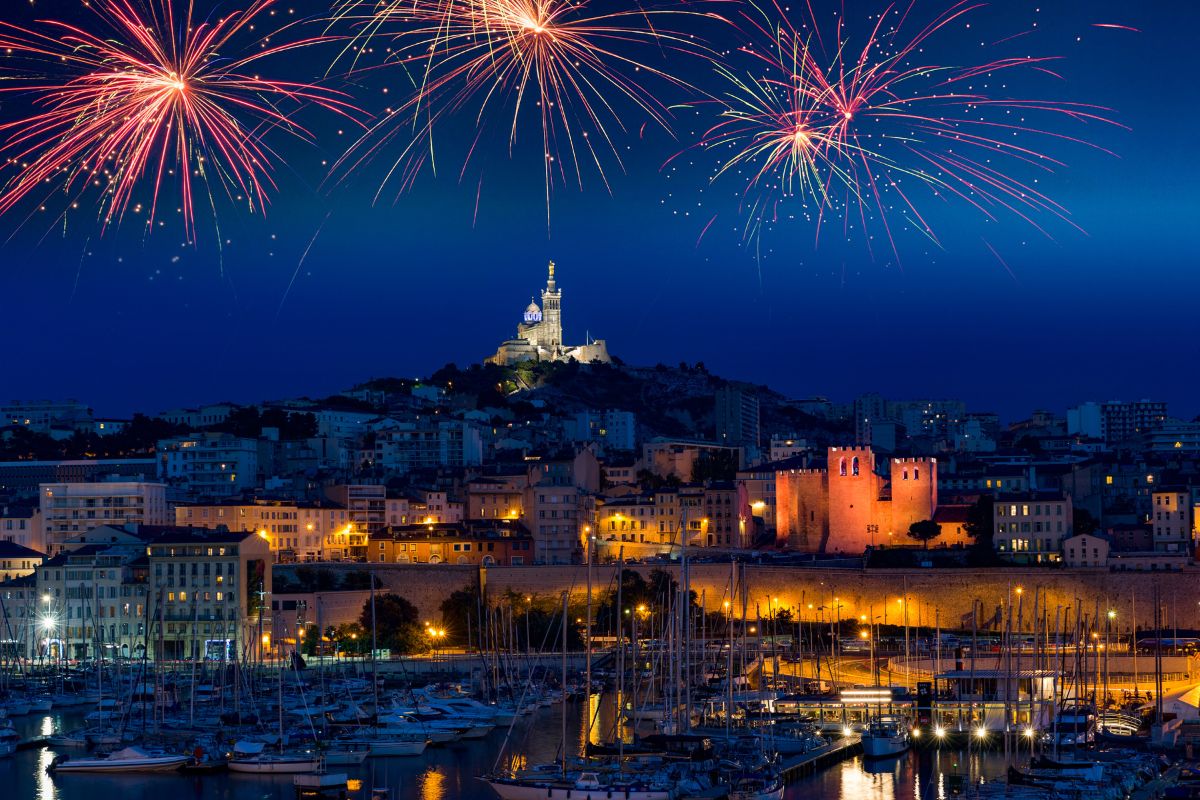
(807,763)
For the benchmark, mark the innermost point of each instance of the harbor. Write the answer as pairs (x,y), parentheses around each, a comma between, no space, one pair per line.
(640,695)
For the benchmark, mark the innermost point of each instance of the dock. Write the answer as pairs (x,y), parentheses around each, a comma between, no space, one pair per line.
(806,763)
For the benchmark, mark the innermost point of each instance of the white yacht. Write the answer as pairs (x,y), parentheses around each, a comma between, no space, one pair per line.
(129,759)
(584,786)
(251,757)
(884,737)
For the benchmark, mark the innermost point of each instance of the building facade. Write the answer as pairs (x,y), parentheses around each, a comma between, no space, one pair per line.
(1172,520)
(477,542)
(293,531)
(1031,527)
(211,593)
(209,465)
(69,509)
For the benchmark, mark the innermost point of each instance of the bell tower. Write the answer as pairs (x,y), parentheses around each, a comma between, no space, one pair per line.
(551,338)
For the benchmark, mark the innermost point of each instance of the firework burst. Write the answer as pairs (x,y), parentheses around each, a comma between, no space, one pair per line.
(149,103)
(859,130)
(500,57)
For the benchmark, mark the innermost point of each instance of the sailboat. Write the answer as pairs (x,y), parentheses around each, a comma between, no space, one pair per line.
(884,736)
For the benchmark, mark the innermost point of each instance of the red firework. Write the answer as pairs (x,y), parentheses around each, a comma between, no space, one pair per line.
(842,125)
(150,100)
(499,57)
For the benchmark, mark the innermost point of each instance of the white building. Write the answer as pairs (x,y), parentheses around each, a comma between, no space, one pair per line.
(785,447)
(615,430)
(23,525)
(1085,550)
(44,415)
(209,464)
(17,561)
(69,509)
(1171,516)
(1032,526)
(1085,420)
(401,447)
(201,417)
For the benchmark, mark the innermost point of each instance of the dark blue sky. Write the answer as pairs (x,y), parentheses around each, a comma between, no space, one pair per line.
(402,288)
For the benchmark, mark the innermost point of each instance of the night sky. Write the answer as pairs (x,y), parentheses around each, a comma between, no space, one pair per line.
(441,272)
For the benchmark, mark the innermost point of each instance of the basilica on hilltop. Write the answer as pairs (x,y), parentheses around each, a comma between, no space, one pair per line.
(539,336)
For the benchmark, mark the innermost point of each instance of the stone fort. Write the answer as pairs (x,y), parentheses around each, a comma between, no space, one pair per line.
(851,505)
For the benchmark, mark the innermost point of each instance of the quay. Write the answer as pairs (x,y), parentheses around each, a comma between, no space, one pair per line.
(807,763)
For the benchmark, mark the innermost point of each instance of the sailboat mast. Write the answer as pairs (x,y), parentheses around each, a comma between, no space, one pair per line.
(587,644)
(564,685)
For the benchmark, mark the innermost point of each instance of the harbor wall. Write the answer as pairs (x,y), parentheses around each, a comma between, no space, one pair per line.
(920,597)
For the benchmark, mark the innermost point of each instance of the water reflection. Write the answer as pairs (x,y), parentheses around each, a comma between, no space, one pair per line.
(923,775)
(433,784)
(46,788)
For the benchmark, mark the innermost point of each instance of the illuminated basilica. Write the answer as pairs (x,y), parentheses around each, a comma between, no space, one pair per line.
(539,336)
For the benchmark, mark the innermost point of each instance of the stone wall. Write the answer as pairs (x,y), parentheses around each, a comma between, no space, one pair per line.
(931,597)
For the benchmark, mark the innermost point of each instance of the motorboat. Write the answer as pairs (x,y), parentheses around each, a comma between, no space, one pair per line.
(75,738)
(9,739)
(383,743)
(884,737)
(251,757)
(343,755)
(585,786)
(129,759)
(40,703)
(757,787)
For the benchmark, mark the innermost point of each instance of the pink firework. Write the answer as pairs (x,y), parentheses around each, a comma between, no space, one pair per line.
(858,121)
(149,102)
(573,69)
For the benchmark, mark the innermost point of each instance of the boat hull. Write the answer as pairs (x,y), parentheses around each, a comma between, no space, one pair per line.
(517,790)
(883,746)
(275,766)
(103,765)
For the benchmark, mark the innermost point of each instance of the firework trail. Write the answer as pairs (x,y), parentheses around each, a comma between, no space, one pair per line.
(858,129)
(496,58)
(148,102)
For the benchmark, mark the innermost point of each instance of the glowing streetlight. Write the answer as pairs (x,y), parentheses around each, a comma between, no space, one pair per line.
(939,732)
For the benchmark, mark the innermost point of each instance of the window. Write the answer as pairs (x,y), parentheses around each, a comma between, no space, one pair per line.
(842,467)
(854,466)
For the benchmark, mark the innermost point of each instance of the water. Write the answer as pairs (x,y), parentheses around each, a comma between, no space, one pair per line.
(449,772)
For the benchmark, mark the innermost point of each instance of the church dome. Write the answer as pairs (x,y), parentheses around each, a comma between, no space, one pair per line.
(532,313)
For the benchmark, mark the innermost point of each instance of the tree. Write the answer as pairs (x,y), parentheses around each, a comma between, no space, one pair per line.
(396,624)
(979,527)
(1082,521)
(460,613)
(350,637)
(924,531)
